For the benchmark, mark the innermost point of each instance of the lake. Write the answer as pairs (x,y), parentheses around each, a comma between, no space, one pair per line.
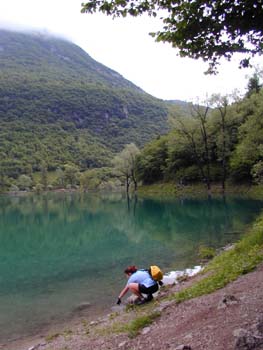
(61,251)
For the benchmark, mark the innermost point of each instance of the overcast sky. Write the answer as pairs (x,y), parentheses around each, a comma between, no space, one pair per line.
(125,46)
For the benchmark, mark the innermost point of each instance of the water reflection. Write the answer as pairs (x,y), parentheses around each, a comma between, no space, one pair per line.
(58,250)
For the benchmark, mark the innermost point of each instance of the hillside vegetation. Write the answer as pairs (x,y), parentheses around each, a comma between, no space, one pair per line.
(58,106)
(219,141)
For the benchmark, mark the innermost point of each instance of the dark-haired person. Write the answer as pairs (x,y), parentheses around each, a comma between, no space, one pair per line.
(139,282)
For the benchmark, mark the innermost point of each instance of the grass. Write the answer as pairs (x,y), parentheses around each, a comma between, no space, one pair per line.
(136,325)
(229,265)
(51,337)
(206,252)
(198,189)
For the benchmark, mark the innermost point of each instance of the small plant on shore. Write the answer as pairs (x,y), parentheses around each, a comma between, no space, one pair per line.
(133,328)
(67,333)
(140,322)
(51,337)
(84,323)
(229,265)
(182,278)
(130,307)
(113,315)
(206,252)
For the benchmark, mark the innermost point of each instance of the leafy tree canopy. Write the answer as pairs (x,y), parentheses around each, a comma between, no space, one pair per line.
(199,29)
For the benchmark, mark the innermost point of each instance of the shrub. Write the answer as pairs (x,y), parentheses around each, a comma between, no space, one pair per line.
(206,252)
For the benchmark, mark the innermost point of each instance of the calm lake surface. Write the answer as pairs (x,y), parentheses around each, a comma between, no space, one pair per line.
(59,251)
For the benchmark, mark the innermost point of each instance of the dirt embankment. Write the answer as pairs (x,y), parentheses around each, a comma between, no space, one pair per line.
(230,318)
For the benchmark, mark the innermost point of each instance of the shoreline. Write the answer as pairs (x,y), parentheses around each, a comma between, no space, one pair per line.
(174,280)
(37,340)
(217,321)
(163,188)
(32,342)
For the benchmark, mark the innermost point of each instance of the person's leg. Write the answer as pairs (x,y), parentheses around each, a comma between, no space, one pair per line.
(134,288)
(148,291)
(149,297)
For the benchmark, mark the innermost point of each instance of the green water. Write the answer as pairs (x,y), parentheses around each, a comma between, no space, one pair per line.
(58,251)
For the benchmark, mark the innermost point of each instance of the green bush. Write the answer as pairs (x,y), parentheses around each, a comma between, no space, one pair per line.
(206,252)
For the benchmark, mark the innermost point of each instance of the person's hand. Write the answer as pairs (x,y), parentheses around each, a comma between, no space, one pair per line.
(118,301)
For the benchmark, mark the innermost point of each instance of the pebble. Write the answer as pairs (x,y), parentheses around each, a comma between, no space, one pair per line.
(164,305)
(189,336)
(240,332)
(146,330)
(183,347)
(122,344)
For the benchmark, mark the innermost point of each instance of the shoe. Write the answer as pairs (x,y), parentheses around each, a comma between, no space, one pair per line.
(140,301)
(149,298)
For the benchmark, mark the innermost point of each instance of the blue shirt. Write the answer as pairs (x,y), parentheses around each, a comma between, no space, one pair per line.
(141,277)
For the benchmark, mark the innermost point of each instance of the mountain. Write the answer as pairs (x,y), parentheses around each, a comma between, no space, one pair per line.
(58,106)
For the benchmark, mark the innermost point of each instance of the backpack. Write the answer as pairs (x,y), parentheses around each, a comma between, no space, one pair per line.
(156,273)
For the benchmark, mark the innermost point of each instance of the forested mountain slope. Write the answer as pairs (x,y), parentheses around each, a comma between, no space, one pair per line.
(58,105)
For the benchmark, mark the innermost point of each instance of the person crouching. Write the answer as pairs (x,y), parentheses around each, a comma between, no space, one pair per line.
(139,282)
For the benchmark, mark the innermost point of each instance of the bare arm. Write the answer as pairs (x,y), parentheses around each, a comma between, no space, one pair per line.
(124,291)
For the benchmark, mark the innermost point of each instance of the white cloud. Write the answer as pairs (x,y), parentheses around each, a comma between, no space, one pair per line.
(125,46)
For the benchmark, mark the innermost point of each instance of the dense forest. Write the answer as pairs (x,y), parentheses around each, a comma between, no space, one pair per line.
(218,141)
(59,107)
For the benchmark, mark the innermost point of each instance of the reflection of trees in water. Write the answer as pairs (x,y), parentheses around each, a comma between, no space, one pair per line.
(69,235)
(161,219)
(64,238)
(202,218)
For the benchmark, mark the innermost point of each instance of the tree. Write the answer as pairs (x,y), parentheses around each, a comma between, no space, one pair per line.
(125,164)
(195,131)
(60,177)
(71,174)
(43,170)
(250,135)
(207,29)
(24,182)
(253,85)
(200,113)
(151,163)
(221,103)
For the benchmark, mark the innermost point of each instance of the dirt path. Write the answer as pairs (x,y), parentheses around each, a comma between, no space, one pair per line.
(230,318)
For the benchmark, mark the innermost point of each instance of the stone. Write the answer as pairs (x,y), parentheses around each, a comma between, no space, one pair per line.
(122,344)
(259,325)
(188,336)
(164,305)
(146,330)
(240,332)
(183,347)
(82,306)
(132,299)
(247,342)
(227,301)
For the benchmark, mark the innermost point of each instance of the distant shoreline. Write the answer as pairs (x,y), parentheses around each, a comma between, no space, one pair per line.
(164,189)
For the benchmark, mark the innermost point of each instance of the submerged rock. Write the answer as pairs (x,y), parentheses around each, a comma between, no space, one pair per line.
(81,307)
